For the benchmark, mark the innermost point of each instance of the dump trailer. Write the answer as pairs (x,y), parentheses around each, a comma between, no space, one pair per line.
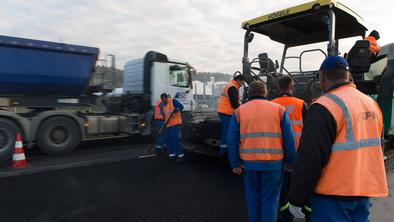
(321,21)
(45,96)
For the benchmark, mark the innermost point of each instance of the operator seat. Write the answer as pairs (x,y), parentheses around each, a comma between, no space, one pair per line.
(266,64)
(359,59)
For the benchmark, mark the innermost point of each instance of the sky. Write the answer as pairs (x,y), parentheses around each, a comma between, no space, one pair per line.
(205,33)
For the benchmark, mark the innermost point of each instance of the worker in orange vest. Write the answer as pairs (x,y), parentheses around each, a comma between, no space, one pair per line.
(158,119)
(228,102)
(260,144)
(339,162)
(296,108)
(374,48)
(172,116)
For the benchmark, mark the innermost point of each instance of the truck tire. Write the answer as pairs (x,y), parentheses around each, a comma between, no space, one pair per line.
(8,131)
(58,135)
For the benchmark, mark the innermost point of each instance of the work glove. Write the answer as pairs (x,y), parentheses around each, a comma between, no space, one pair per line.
(238,170)
(296,211)
(176,110)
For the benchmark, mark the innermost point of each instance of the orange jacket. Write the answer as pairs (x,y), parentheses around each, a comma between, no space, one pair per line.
(260,135)
(294,108)
(224,105)
(176,117)
(157,114)
(355,166)
(374,48)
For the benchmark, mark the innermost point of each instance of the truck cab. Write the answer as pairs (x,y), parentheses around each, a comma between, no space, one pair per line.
(156,74)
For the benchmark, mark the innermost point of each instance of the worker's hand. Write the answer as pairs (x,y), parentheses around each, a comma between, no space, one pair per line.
(238,170)
(288,168)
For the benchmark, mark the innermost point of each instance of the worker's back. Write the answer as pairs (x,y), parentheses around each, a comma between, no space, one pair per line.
(356,159)
(294,107)
(260,130)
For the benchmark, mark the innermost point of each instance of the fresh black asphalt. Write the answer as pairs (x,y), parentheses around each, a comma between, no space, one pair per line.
(151,189)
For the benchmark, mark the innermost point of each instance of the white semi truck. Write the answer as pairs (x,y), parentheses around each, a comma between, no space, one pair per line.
(45,95)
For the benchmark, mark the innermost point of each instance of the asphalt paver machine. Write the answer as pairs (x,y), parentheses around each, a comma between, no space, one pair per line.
(305,25)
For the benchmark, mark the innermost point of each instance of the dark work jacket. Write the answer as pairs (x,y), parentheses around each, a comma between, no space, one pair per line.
(233,96)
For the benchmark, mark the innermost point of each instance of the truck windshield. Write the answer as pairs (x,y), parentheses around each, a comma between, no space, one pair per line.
(179,76)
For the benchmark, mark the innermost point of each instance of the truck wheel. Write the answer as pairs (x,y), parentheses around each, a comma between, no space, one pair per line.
(58,135)
(8,131)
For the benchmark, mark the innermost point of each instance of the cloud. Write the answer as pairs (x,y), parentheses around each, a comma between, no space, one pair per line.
(205,33)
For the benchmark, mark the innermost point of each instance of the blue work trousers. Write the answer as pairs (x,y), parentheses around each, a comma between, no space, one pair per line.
(160,137)
(329,209)
(262,189)
(174,147)
(225,123)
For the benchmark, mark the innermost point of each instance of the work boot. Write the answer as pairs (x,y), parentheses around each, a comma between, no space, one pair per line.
(158,151)
(171,158)
(181,159)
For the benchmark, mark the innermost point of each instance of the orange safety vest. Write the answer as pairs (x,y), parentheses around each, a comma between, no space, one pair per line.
(157,114)
(374,48)
(169,109)
(260,130)
(356,165)
(294,108)
(224,105)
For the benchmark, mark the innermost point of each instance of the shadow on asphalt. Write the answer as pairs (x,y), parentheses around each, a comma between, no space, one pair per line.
(152,189)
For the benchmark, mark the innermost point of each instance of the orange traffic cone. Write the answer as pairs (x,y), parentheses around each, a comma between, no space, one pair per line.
(19,159)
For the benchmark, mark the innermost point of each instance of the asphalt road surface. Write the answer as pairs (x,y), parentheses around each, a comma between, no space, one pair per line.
(151,189)
(131,189)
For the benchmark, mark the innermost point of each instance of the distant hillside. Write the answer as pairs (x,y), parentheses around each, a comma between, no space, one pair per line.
(206,76)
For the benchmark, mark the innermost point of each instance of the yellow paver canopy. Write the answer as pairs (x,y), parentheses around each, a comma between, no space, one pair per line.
(307,23)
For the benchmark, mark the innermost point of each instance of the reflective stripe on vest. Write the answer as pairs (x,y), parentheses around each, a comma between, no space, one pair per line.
(353,145)
(157,114)
(224,105)
(260,135)
(356,165)
(297,122)
(176,117)
(345,110)
(294,108)
(262,150)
